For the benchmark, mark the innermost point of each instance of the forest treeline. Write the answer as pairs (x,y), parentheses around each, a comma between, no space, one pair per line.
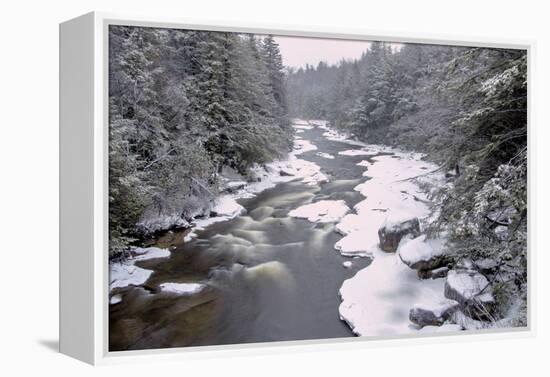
(467,109)
(182,106)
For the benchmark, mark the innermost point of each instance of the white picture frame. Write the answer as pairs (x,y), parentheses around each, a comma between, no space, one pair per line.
(84,188)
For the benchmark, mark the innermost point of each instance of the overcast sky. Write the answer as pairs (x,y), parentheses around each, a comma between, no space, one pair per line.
(298,51)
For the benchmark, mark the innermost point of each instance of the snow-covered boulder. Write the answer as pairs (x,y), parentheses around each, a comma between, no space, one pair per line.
(323,211)
(347,264)
(392,231)
(472,291)
(433,313)
(422,254)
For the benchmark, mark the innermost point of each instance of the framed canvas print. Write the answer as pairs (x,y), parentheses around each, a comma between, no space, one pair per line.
(232,186)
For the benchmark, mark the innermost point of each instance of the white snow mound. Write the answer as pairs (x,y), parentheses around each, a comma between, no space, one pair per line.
(182,288)
(323,211)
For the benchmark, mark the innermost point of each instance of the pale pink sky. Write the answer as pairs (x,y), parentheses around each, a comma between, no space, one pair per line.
(297,51)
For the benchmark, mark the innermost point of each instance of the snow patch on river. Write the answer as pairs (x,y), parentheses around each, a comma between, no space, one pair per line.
(323,211)
(302,146)
(125,273)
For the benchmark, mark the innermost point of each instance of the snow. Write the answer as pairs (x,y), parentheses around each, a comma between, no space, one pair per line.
(235,184)
(141,254)
(357,152)
(419,249)
(302,146)
(319,123)
(308,172)
(325,155)
(334,135)
(377,300)
(182,288)
(446,328)
(438,308)
(151,224)
(364,163)
(469,284)
(394,221)
(302,126)
(347,264)
(115,299)
(227,206)
(324,211)
(125,274)
(349,224)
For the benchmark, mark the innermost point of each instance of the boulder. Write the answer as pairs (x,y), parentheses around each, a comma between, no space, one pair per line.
(433,314)
(422,254)
(472,291)
(391,233)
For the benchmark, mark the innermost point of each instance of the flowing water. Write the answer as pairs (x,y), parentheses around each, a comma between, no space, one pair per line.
(269,277)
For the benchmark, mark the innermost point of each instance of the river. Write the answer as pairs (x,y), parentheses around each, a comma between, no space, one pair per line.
(269,277)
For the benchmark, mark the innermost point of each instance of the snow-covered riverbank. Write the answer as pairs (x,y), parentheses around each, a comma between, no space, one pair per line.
(379,298)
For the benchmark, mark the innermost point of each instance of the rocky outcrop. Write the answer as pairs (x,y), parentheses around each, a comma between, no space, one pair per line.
(472,291)
(391,233)
(433,314)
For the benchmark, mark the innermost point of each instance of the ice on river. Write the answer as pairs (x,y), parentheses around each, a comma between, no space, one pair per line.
(323,211)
